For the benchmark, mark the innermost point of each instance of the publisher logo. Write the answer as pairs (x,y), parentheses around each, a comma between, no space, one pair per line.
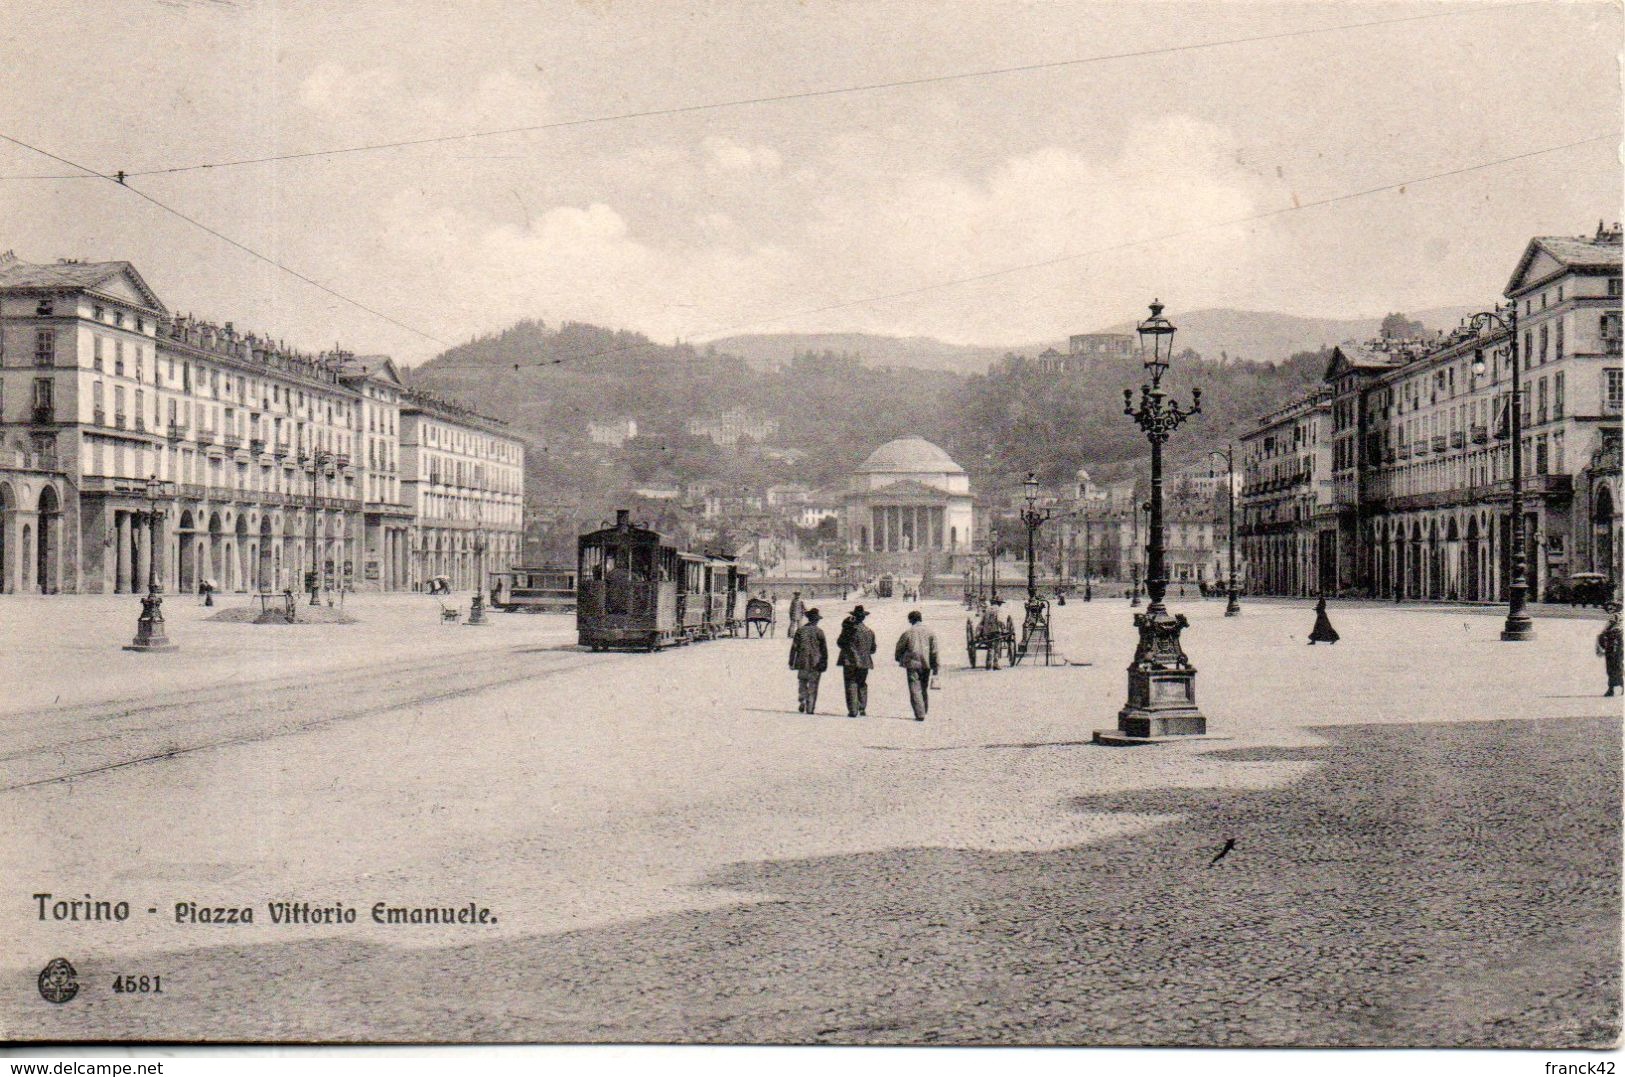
(58,981)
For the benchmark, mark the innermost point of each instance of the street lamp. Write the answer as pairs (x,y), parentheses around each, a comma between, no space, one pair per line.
(149,627)
(1518,624)
(1037,620)
(1228,455)
(320,460)
(1161,681)
(476,605)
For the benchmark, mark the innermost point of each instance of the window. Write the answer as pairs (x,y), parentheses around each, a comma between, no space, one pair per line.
(1557,348)
(1614,287)
(118,318)
(1541,409)
(1541,460)
(1557,395)
(1557,453)
(97,312)
(1543,343)
(118,356)
(96,352)
(43,401)
(45,347)
(1613,386)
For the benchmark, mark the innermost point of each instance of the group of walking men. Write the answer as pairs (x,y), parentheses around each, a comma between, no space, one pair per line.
(916,652)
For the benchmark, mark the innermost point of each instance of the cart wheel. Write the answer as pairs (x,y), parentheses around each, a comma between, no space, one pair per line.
(1014,658)
(970,643)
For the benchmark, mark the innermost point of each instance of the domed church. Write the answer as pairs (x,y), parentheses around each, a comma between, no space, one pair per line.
(908,497)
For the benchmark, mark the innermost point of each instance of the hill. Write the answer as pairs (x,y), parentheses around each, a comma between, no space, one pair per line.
(769,350)
(1217,334)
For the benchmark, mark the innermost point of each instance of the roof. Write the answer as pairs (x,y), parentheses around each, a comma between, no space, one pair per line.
(906,456)
(1370,357)
(1601,251)
(86,275)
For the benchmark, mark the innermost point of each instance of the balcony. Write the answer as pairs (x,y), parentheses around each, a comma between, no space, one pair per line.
(1438,443)
(1481,434)
(231,441)
(256,445)
(1457,439)
(141,422)
(205,437)
(119,419)
(99,417)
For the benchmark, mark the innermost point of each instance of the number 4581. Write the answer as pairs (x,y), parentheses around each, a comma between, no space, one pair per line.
(138,985)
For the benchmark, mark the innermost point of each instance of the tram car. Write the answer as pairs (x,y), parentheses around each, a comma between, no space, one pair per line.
(885,586)
(637,590)
(550,589)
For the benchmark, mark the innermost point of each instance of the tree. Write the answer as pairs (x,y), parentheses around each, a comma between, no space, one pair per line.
(1398,327)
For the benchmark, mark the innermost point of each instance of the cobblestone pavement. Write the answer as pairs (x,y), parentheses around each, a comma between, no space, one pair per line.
(1426,823)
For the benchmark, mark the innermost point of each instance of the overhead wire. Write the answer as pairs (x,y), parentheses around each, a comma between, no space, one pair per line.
(1232,222)
(120,181)
(802,95)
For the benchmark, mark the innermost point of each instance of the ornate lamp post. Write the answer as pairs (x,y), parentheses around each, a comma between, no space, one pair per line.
(1161,680)
(319,460)
(1228,455)
(1037,620)
(1518,625)
(476,605)
(149,627)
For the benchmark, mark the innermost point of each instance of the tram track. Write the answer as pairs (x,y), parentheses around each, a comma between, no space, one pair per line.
(120,736)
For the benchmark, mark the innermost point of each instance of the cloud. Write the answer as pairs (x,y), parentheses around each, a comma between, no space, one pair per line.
(724,155)
(690,267)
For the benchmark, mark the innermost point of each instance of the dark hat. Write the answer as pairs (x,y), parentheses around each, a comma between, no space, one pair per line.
(859,611)
(996,601)
(812,614)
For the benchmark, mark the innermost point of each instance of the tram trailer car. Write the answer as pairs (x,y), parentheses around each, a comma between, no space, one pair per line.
(550,589)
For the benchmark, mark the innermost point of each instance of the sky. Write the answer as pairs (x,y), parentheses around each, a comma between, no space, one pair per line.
(992,209)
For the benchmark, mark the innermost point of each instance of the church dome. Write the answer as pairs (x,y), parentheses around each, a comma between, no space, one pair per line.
(909,456)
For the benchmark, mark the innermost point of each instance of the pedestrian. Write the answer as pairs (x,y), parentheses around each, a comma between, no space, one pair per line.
(1609,644)
(856,645)
(917,654)
(809,657)
(991,628)
(1323,631)
(798,610)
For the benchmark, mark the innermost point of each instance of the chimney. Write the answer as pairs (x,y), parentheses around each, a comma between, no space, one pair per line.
(623,519)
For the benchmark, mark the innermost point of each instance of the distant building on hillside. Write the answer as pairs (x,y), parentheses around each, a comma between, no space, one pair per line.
(727,429)
(614,433)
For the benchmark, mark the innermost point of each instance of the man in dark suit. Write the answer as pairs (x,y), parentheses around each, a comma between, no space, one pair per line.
(856,645)
(809,657)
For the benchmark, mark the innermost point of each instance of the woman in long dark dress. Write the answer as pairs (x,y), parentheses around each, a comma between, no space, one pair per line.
(1323,631)
(1610,645)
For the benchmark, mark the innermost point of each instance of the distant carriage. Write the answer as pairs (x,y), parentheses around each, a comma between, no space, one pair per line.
(759,616)
(550,589)
(885,585)
(637,590)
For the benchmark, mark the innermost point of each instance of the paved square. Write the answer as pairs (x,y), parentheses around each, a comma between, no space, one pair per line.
(1426,824)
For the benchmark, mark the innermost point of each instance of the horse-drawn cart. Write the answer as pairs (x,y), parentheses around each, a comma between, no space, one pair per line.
(993,637)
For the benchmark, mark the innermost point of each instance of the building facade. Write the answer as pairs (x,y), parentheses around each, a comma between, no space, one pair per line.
(1402,481)
(906,499)
(463,479)
(263,467)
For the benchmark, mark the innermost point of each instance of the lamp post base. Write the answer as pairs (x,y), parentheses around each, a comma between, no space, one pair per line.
(476,612)
(1161,682)
(1233,607)
(149,628)
(1518,629)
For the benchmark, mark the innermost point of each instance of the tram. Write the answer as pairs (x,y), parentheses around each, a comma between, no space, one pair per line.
(636,589)
(550,589)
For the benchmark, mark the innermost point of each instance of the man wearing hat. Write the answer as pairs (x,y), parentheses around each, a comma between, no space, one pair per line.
(992,625)
(856,645)
(1611,648)
(809,657)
